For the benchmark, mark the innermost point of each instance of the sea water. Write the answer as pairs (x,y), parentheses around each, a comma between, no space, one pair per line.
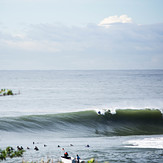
(59,109)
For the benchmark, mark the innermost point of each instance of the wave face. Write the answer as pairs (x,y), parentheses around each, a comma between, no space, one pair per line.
(122,123)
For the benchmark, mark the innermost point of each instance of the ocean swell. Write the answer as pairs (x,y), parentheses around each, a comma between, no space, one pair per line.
(122,123)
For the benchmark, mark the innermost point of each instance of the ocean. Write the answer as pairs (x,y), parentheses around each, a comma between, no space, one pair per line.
(58,109)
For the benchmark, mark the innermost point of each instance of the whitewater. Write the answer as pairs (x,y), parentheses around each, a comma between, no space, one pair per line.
(58,109)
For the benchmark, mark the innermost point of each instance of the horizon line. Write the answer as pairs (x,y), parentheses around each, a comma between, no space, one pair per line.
(80,69)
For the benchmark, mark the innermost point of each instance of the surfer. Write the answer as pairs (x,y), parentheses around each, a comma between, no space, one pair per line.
(36,148)
(65,155)
(107,112)
(19,148)
(77,158)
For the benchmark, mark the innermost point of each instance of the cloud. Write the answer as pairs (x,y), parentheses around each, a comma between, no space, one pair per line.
(115,19)
(89,47)
(38,46)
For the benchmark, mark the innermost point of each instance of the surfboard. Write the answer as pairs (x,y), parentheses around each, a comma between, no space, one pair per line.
(67,160)
(70,160)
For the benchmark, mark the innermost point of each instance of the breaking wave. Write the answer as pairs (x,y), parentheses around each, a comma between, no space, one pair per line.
(122,123)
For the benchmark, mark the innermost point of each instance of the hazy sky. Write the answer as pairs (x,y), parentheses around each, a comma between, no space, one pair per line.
(81,34)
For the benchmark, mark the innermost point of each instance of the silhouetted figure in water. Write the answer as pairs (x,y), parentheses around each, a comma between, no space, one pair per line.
(45,145)
(36,148)
(19,148)
(58,146)
(65,155)
(77,158)
(87,145)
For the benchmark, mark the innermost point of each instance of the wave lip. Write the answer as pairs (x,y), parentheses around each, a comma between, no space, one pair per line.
(124,122)
(142,115)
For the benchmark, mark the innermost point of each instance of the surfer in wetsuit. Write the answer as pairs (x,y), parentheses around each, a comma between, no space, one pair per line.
(77,158)
(65,155)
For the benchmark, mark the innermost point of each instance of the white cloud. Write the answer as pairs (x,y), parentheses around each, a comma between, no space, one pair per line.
(51,38)
(115,19)
(34,46)
(87,47)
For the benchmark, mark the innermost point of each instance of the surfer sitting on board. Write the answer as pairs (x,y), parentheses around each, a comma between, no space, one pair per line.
(65,155)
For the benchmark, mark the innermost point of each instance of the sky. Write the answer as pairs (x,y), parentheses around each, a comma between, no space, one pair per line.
(81,34)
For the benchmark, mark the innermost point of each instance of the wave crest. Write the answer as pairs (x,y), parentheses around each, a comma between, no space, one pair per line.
(123,122)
